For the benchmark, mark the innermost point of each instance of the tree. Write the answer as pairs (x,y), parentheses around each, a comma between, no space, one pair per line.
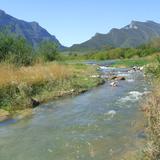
(15,49)
(21,52)
(48,50)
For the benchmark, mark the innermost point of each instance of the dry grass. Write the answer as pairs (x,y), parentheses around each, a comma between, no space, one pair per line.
(43,82)
(34,74)
(152,112)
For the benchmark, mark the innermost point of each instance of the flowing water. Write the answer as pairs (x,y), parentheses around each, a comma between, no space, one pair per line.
(102,124)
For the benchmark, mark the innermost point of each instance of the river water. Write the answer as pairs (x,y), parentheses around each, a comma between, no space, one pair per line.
(101,124)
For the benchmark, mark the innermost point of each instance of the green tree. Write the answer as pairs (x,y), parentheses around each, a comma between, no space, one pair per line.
(21,52)
(48,50)
(15,49)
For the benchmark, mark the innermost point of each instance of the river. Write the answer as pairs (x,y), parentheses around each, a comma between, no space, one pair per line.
(102,124)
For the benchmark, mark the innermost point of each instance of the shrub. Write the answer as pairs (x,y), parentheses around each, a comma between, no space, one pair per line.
(15,50)
(48,51)
(154,68)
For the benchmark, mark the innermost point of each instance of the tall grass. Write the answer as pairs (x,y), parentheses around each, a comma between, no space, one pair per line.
(19,85)
(42,82)
(152,112)
(10,74)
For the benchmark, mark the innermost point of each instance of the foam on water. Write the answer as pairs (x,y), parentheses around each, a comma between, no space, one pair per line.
(130,80)
(103,67)
(111,113)
(132,96)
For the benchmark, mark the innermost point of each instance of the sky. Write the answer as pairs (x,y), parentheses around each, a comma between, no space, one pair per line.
(75,21)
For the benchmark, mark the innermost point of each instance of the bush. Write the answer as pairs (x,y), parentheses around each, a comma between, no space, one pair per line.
(21,53)
(48,51)
(154,68)
(15,50)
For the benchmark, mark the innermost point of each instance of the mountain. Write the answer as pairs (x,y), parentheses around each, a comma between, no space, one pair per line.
(31,31)
(132,35)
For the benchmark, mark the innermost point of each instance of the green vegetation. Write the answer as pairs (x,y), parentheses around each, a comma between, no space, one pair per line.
(151,107)
(118,53)
(15,50)
(29,74)
(47,50)
(123,63)
(42,82)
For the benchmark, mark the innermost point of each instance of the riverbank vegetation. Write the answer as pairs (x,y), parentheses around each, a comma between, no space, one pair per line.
(107,53)
(141,61)
(30,76)
(151,108)
(23,87)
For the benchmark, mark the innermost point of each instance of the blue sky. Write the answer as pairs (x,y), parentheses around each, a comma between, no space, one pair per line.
(75,21)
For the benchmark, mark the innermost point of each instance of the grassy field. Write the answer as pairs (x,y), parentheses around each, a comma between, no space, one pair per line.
(123,63)
(130,63)
(42,82)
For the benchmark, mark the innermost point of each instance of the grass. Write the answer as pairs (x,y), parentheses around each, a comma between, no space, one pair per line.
(151,109)
(42,82)
(131,62)
(123,63)
(32,75)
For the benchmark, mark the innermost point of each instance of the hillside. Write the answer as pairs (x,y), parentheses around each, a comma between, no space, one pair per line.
(31,31)
(132,35)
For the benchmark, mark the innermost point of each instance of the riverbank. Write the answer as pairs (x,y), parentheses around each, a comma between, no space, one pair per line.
(151,109)
(24,88)
(127,63)
(104,123)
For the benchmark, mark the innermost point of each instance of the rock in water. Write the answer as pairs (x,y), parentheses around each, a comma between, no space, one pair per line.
(114,84)
(118,78)
(35,102)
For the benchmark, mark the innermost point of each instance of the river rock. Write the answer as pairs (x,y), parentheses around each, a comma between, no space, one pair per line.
(114,84)
(118,78)
(34,102)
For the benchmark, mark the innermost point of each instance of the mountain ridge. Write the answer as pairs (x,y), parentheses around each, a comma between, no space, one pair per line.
(31,31)
(132,35)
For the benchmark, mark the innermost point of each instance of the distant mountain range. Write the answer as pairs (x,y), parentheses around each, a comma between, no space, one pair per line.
(132,35)
(31,31)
